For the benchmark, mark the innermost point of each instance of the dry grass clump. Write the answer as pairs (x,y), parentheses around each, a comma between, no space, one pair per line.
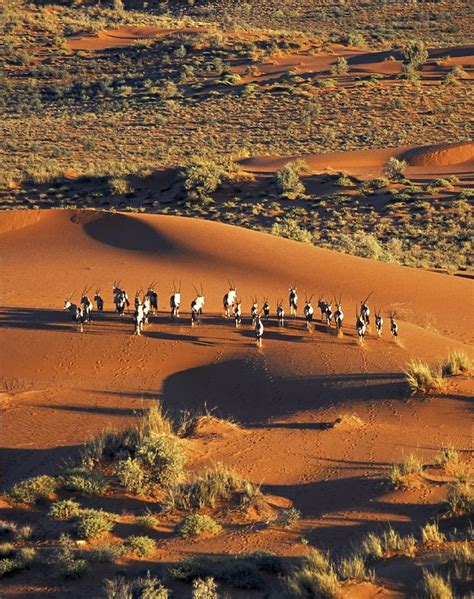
(422,379)
(431,535)
(196,525)
(141,546)
(449,459)
(399,473)
(460,498)
(316,577)
(146,587)
(460,558)
(205,588)
(458,362)
(354,568)
(434,586)
(33,490)
(377,547)
(66,559)
(211,487)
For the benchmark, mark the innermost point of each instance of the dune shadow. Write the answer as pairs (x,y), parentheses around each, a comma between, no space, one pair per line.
(128,233)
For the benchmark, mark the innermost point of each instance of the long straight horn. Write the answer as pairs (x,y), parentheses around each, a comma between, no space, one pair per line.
(367,297)
(195,289)
(202,290)
(179,287)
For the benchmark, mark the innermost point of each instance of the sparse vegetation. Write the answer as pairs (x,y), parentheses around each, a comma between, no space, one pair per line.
(66,559)
(93,524)
(146,587)
(34,489)
(434,586)
(141,546)
(399,473)
(196,525)
(64,509)
(394,169)
(422,379)
(431,535)
(315,578)
(458,362)
(288,179)
(461,497)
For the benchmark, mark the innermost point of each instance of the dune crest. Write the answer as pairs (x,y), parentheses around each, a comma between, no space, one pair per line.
(440,154)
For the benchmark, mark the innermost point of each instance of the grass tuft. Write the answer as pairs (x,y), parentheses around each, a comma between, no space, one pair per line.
(196,525)
(33,490)
(421,379)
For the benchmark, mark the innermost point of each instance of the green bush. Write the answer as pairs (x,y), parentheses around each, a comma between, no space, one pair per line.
(142,546)
(290,229)
(163,455)
(132,475)
(415,53)
(83,481)
(196,525)
(288,517)
(10,565)
(201,178)
(92,524)
(205,588)
(65,558)
(146,587)
(33,489)
(288,180)
(64,509)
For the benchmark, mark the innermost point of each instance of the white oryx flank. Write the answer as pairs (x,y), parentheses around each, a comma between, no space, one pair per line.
(378,322)
(99,300)
(76,311)
(280,313)
(258,330)
(238,313)
(308,311)
(139,315)
(254,310)
(196,306)
(87,305)
(175,300)
(293,301)
(229,299)
(266,309)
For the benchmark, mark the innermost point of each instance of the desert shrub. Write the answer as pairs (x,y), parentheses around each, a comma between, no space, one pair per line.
(394,168)
(344,181)
(431,535)
(201,178)
(147,521)
(92,524)
(354,568)
(26,554)
(450,79)
(10,565)
(205,588)
(398,473)
(460,558)
(415,53)
(289,228)
(83,481)
(240,571)
(422,379)
(288,517)
(132,475)
(211,486)
(458,362)
(145,587)
(163,455)
(7,550)
(459,72)
(434,586)
(7,526)
(142,546)
(460,498)
(326,83)
(196,525)
(340,67)
(288,180)
(119,186)
(24,532)
(315,577)
(66,560)
(33,489)
(449,459)
(64,509)
(105,553)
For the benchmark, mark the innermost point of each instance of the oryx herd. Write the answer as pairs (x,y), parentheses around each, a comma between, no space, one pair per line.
(146,304)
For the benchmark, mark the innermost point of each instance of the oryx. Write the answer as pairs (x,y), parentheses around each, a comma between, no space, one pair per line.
(360,325)
(196,306)
(175,300)
(393,325)
(329,313)
(258,330)
(139,315)
(308,311)
(378,322)
(76,311)
(152,296)
(338,314)
(99,300)
(229,299)
(322,305)
(293,301)
(254,310)
(238,313)
(87,305)
(266,309)
(120,299)
(365,310)
(280,314)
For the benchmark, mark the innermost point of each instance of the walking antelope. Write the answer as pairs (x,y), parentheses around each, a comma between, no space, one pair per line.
(152,297)
(238,313)
(258,330)
(146,303)
(361,326)
(120,299)
(322,305)
(87,305)
(175,300)
(254,310)
(338,314)
(76,311)
(293,301)
(280,314)
(139,315)
(196,306)
(329,313)
(99,300)
(365,310)
(393,325)
(266,309)
(229,299)
(308,312)
(378,322)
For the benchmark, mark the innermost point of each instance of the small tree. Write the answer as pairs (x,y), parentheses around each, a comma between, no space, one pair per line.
(201,178)
(340,67)
(394,168)
(415,54)
(288,180)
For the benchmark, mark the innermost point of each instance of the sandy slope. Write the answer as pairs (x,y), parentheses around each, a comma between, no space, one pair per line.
(59,387)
